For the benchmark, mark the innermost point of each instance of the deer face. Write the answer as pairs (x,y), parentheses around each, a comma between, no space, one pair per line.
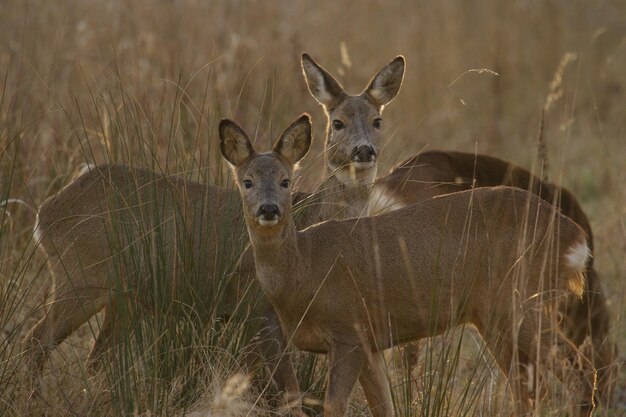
(265,185)
(354,135)
(264,179)
(354,122)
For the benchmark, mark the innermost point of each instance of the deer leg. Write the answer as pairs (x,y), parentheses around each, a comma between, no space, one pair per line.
(375,385)
(499,342)
(111,334)
(345,364)
(411,355)
(586,324)
(273,348)
(78,293)
(66,314)
(549,337)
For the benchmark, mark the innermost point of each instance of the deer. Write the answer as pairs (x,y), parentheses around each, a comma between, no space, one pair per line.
(353,288)
(76,230)
(437,172)
(353,136)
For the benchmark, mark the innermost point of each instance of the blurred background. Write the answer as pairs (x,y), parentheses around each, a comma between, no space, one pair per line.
(146,82)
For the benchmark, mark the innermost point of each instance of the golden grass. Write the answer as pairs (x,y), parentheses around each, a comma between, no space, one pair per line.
(145,82)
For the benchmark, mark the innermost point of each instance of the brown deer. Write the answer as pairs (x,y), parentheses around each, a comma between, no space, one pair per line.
(434,173)
(353,135)
(497,258)
(90,227)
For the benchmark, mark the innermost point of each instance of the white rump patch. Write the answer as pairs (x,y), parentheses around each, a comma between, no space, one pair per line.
(382,202)
(576,259)
(577,256)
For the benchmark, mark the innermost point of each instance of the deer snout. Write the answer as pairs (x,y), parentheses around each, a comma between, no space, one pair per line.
(363,154)
(268,214)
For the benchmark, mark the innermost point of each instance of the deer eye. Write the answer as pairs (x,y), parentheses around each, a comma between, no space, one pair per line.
(377,123)
(338,124)
(247,184)
(285,183)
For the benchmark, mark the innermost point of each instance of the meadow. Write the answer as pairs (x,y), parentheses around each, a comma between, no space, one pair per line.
(145,83)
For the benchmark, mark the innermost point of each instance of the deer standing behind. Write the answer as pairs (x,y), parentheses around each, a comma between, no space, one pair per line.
(435,173)
(110,232)
(497,258)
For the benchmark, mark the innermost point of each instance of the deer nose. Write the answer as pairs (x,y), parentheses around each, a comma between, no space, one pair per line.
(268,212)
(363,153)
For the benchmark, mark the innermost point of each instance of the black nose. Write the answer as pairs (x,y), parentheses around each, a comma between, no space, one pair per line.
(363,153)
(268,211)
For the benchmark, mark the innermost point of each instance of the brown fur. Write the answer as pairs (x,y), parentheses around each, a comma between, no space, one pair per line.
(90,231)
(78,228)
(435,173)
(357,113)
(353,288)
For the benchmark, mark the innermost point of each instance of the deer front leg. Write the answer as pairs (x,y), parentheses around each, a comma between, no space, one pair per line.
(375,385)
(273,348)
(114,331)
(345,364)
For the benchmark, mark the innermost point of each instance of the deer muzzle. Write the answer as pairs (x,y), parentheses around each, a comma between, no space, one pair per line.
(268,214)
(363,156)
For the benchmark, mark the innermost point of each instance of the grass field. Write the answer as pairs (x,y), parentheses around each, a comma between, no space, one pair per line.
(146,82)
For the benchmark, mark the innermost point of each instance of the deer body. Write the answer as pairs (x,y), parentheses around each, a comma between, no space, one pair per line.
(353,288)
(392,271)
(89,229)
(434,173)
(113,230)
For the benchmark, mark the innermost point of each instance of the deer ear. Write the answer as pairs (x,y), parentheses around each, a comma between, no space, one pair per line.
(386,84)
(322,86)
(295,141)
(234,143)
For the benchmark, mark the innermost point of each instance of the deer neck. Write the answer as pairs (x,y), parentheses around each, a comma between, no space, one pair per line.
(343,195)
(277,260)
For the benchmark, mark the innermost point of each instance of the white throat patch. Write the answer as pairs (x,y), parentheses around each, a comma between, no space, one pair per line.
(364,173)
(264,222)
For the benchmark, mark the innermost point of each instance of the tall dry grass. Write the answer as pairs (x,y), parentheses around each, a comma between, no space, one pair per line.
(145,82)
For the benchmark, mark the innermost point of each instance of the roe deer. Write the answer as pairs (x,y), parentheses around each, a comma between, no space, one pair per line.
(78,228)
(353,135)
(434,173)
(497,258)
